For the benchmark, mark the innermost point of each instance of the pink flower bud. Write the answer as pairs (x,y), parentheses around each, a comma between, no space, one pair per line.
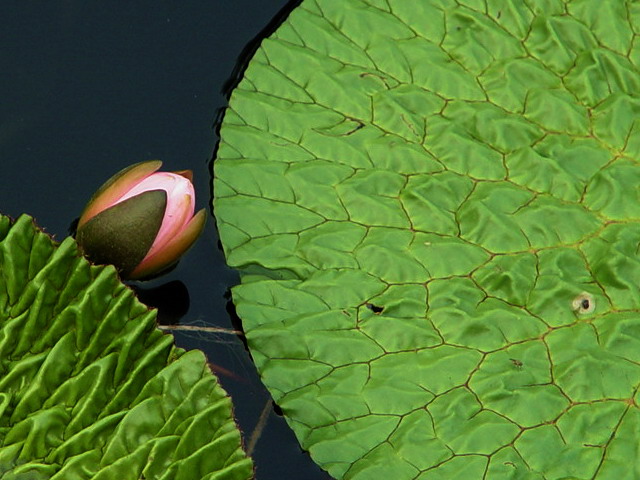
(141,221)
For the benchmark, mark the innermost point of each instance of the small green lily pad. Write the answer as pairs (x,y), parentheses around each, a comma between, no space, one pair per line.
(89,387)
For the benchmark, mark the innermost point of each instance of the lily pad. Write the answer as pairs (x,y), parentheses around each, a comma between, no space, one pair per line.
(89,387)
(434,209)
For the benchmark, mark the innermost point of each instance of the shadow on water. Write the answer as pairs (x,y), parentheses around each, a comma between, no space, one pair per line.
(238,72)
(250,49)
(270,425)
(171,299)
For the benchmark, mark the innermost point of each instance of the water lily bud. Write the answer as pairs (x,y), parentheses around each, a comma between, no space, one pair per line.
(141,220)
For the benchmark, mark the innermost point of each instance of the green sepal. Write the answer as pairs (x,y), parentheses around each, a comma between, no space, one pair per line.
(122,234)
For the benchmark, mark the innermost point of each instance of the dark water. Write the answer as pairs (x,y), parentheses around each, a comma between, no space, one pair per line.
(89,87)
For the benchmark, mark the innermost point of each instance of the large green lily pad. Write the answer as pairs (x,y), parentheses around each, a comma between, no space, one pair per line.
(89,387)
(435,209)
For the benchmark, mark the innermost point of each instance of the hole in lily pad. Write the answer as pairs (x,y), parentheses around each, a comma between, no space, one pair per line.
(584,303)
(374,308)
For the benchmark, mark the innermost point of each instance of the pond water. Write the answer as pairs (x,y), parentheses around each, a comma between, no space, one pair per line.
(88,89)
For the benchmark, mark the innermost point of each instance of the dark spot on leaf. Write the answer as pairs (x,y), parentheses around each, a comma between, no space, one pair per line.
(516,362)
(358,126)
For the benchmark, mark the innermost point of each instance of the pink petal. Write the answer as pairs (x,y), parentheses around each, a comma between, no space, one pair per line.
(173,249)
(180,204)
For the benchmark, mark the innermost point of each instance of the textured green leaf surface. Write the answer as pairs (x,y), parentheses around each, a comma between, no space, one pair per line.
(435,207)
(89,387)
